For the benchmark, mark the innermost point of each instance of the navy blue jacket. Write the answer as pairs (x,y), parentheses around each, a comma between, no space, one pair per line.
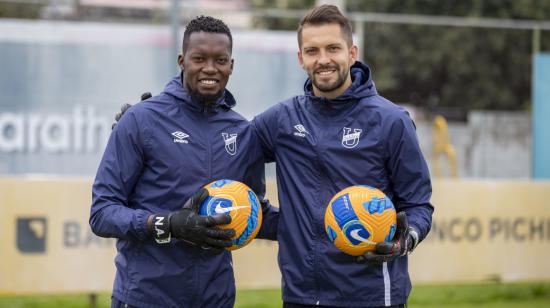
(322,146)
(160,153)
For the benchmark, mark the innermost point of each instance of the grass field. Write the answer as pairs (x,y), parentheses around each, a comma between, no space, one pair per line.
(516,295)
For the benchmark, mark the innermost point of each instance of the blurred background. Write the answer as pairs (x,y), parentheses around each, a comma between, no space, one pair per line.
(474,74)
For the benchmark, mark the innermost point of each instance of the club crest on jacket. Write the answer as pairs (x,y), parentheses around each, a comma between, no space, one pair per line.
(351,139)
(230,143)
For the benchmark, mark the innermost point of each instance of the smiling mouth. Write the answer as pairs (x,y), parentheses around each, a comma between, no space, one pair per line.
(208,82)
(325,72)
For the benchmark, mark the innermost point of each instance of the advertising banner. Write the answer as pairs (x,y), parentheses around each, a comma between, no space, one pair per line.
(482,230)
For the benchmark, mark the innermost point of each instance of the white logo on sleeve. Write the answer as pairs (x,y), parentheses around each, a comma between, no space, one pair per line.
(349,139)
(230,143)
(180,137)
(300,130)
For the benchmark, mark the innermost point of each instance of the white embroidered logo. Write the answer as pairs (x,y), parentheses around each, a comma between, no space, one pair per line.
(180,137)
(300,130)
(349,139)
(230,143)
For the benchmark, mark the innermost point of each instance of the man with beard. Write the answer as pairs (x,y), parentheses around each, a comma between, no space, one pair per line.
(340,133)
(160,154)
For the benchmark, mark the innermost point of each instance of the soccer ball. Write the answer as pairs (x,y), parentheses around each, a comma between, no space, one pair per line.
(234,198)
(359,217)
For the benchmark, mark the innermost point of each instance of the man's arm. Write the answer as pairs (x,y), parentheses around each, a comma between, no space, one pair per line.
(118,172)
(113,216)
(410,176)
(411,182)
(125,107)
(270,213)
(265,128)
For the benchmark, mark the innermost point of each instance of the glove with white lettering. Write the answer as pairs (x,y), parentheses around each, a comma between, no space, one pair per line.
(125,107)
(187,225)
(404,241)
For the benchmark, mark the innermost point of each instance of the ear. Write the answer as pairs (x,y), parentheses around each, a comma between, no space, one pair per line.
(181,61)
(231,68)
(353,53)
(300,59)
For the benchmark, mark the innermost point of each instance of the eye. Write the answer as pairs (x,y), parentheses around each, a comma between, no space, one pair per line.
(334,48)
(222,61)
(310,51)
(197,59)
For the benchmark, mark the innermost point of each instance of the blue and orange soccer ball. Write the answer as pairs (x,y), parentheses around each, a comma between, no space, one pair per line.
(236,199)
(358,217)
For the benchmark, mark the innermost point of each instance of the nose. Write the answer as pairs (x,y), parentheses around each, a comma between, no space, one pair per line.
(323,58)
(209,67)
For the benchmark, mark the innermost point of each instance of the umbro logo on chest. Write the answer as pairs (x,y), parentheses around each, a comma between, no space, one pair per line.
(350,136)
(180,137)
(230,140)
(300,130)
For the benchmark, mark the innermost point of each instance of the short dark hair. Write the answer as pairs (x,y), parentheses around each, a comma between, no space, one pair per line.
(326,14)
(205,24)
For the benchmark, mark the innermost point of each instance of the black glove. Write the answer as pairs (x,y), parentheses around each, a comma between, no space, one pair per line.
(187,225)
(404,241)
(125,107)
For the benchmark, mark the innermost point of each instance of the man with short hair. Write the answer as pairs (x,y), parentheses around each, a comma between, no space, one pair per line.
(161,153)
(349,135)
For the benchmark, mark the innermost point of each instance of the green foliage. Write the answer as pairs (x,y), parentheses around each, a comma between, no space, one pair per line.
(289,24)
(450,68)
(20,10)
(467,68)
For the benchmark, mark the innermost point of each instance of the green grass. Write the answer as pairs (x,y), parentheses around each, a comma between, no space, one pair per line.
(512,295)
(53,301)
(515,295)
(266,298)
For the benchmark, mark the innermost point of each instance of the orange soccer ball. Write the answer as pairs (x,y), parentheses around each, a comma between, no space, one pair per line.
(359,217)
(228,197)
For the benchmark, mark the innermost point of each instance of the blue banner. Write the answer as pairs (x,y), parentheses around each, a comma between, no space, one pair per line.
(541,114)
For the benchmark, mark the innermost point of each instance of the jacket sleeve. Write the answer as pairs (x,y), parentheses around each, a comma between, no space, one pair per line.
(265,126)
(120,168)
(270,219)
(256,174)
(409,175)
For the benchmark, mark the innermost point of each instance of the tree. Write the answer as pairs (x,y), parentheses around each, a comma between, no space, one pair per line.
(20,10)
(447,67)
(462,68)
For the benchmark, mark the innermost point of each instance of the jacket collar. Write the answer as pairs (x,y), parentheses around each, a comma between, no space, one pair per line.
(176,89)
(362,86)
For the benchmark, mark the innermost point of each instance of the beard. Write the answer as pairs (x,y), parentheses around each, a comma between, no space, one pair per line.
(206,99)
(330,86)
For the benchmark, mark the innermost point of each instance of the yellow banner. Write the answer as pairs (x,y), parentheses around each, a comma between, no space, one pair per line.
(482,230)
(486,230)
(47,245)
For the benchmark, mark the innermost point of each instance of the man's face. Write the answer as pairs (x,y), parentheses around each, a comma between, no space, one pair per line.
(327,58)
(206,65)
